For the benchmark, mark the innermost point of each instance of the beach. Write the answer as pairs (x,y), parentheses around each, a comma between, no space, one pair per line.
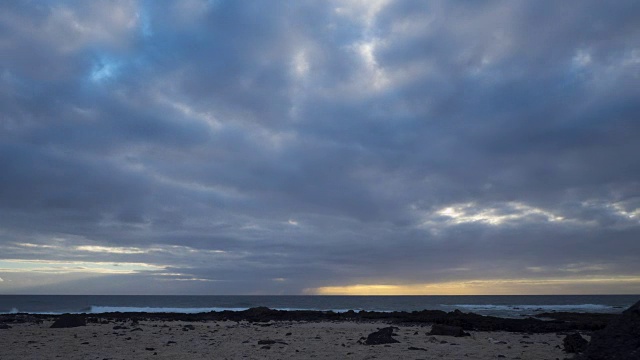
(160,339)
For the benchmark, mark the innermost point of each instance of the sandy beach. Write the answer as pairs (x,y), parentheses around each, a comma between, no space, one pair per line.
(157,339)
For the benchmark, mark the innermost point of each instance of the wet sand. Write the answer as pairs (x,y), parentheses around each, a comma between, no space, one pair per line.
(157,339)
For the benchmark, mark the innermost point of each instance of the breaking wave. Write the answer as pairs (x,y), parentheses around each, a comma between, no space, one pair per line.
(533,308)
(109,309)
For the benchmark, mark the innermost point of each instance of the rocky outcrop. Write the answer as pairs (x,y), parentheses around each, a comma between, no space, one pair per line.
(588,321)
(468,321)
(620,340)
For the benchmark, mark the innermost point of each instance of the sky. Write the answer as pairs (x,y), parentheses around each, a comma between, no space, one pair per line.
(319,147)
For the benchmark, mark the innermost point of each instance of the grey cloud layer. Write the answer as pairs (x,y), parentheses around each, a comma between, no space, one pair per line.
(318,143)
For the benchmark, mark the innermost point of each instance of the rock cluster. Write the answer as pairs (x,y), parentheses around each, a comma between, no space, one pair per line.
(564,322)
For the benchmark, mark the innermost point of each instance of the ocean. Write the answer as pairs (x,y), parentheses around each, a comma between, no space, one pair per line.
(495,305)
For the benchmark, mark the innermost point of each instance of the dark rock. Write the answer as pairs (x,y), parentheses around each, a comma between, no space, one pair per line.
(257,311)
(136,329)
(149,349)
(448,330)
(587,321)
(118,327)
(574,343)
(188,327)
(271,342)
(619,340)
(417,348)
(4,327)
(382,336)
(69,321)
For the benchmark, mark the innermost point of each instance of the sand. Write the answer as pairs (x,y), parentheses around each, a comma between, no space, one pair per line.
(240,340)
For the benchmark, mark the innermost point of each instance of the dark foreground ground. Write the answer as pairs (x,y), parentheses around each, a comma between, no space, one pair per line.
(264,333)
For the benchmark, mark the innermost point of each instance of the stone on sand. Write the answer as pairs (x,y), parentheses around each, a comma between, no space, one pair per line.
(382,336)
(69,321)
(448,330)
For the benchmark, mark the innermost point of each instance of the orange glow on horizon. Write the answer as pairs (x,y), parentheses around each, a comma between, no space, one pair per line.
(602,285)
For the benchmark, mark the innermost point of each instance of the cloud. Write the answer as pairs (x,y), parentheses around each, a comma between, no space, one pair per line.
(328,144)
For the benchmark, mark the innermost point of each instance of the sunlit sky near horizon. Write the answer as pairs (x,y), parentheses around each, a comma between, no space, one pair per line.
(319,147)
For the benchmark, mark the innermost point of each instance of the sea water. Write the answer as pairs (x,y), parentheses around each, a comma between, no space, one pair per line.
(502,305)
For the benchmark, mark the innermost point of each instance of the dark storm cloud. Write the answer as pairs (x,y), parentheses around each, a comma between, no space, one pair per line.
(252,147)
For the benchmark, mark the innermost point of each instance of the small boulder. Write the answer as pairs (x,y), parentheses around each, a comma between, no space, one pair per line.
(448,330)
(69,321)
(575,343)
(382,336)
(4,327)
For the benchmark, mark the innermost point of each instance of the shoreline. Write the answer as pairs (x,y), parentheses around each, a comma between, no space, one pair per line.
(542,323)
